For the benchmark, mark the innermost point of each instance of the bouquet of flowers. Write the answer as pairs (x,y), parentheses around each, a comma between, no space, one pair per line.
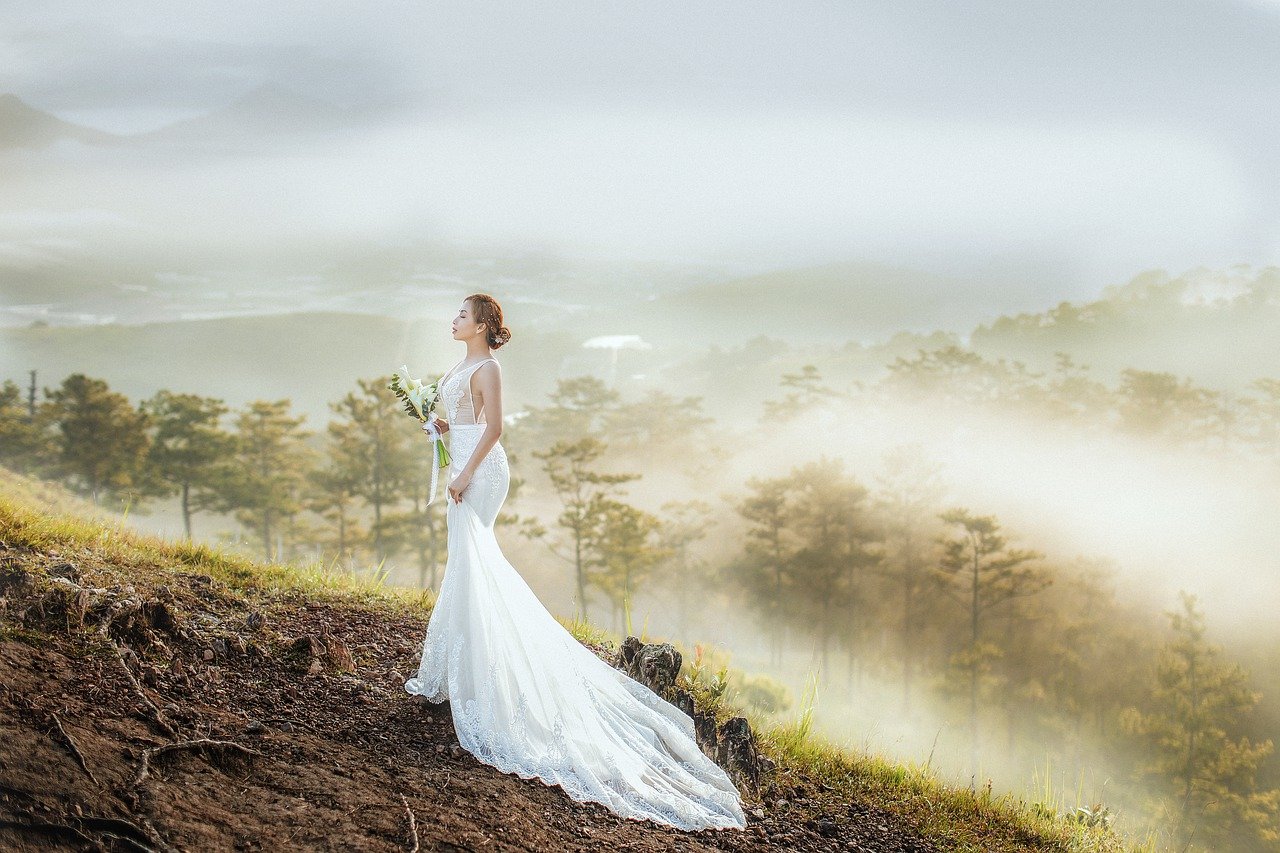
(420,401)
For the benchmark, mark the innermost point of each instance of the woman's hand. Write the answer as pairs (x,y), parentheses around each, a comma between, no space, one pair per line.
(457,485)
(441,425)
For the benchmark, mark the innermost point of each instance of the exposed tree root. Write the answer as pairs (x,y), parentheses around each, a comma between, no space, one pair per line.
(165,726)
(413,824)
(75,750)
(46,828)
(145,769)
(113,828)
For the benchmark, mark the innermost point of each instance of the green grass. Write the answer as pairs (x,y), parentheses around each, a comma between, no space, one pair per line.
(53,526)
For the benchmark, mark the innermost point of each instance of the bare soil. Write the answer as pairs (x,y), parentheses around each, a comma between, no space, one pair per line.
(186,715)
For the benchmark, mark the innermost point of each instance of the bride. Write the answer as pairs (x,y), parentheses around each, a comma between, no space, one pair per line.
(526,697)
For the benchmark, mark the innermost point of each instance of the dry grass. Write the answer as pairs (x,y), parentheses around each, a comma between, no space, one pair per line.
(54,526)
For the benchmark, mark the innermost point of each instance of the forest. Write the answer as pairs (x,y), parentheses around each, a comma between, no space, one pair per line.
(871,571)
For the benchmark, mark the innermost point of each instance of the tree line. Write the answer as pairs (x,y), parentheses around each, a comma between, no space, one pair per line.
(877,577)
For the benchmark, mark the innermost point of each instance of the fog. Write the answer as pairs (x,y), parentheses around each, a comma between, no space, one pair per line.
(1077,144)
(262,203)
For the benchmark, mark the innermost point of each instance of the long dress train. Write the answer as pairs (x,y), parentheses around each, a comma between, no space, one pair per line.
(526,697)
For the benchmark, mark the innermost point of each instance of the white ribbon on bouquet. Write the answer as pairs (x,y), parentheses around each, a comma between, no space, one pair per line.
(433,431)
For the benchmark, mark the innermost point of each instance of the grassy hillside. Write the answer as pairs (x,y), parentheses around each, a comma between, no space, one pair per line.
(158,695)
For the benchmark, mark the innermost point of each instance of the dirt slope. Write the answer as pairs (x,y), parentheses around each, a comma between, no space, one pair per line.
(172,712)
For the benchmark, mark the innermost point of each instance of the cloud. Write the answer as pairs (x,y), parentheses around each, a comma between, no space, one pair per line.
(1133,134)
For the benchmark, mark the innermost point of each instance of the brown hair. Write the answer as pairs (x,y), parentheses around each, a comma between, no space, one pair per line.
(485,309)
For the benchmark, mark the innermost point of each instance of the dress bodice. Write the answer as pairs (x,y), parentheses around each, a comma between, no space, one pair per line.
(455,391)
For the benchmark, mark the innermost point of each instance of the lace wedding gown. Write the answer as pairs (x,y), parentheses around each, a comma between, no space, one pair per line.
(526,697)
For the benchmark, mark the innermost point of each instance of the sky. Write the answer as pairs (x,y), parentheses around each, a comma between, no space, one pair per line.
(1098,139)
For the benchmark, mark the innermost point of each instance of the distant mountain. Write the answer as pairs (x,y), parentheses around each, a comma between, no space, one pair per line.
(24,126)
(830,303)
(269,111)
(1217,327)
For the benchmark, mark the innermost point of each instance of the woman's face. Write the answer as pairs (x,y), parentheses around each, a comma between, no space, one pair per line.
(464,325)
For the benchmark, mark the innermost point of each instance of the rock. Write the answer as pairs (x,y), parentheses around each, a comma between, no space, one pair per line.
(208,654)
(654,665)
(309,646)
(66,570)
(221,648)
(704,725)
(340,655)
(758,814)
(316,667)
(828,828)
(255,621)
(255,727)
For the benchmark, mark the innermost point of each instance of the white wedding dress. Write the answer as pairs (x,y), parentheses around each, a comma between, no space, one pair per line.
(526,697)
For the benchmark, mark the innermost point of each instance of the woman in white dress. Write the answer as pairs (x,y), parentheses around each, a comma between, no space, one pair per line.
(526,697)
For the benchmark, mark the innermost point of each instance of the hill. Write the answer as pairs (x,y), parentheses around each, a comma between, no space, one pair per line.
(1217,327)
(24,126)
(265,113)
(831,303)
(158,696)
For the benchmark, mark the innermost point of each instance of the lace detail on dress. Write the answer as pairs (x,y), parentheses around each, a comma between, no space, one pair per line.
(528,698)
(455,390)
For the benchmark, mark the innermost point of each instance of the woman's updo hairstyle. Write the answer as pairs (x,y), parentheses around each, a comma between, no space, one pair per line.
(485,309)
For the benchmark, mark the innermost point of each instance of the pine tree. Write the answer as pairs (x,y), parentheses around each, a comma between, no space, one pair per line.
(837,551)
(1195,710)
(371,441)
(101,439)
(187,447)
(26,445)
(263,482)
(622,551)
(332,495)
(807,553)
(419,529)
(580,407)
(684,523)
(569,467)
(807,391)
(909,489)
(981,573)
(763,570)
